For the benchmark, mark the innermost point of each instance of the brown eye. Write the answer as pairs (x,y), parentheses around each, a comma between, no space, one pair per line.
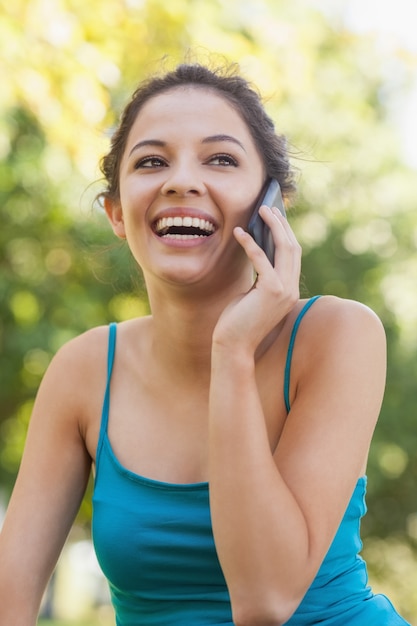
(150,162)
(224,160)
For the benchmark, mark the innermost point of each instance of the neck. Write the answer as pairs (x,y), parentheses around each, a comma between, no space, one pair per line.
(182,326)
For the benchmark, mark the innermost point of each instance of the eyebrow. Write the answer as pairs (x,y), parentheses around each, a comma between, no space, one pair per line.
(148,142)
(227,138)
(211,139)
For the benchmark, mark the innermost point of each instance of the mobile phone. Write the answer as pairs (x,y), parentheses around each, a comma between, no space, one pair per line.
(271,196)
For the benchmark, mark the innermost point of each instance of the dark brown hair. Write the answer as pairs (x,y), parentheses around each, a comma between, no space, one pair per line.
(228,84)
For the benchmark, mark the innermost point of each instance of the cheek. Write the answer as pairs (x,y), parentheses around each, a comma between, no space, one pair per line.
(243,193)
(241,203)
(135,197)
(239,193)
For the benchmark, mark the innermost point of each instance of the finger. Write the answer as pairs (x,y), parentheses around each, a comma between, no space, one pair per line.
(272,217)
(287,248)
(278,282)
(254,252)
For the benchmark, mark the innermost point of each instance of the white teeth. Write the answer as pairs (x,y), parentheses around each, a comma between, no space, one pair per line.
(170,236)
(187,222)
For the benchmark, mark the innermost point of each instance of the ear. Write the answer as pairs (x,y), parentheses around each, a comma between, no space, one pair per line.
(115,215)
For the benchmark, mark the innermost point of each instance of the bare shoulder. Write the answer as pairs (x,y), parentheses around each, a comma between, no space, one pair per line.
(332,319)
(338,309)
(76,374)
(81,356)
(83,349)
(79,368)
(339,342)
(86,354)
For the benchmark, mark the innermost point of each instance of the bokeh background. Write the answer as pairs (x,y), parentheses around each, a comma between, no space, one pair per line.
(339,77)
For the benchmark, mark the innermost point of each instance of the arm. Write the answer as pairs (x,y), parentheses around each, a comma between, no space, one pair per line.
(275,514)
(49,488)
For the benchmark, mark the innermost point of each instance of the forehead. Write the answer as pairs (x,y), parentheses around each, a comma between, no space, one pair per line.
(200,108)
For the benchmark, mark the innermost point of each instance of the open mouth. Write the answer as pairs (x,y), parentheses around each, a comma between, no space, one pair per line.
(183,227)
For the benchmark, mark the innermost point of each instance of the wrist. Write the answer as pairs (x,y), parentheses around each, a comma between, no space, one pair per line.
(239,357)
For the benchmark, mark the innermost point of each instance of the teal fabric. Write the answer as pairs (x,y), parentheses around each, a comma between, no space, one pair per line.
(155,545)
(287,373)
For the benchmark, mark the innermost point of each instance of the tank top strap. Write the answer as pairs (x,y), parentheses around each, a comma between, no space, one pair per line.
(294,331)
(106,402)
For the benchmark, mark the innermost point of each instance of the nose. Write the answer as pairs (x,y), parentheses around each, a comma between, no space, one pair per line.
(183,180)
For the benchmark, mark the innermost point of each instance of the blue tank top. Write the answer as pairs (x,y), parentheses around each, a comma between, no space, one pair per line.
(155,545)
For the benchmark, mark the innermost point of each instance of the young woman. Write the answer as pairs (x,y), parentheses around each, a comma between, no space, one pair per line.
(230,450)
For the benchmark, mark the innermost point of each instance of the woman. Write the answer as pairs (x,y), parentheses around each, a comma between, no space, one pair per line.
(230,451)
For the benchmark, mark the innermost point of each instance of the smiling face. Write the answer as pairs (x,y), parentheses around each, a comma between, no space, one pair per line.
(190,173)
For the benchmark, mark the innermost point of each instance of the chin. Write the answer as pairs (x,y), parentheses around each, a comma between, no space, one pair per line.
(183,275)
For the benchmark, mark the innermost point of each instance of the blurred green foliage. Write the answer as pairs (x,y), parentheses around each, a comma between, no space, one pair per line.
(67,69)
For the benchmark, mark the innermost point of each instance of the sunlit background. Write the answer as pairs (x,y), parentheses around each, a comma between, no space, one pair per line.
(340,79)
